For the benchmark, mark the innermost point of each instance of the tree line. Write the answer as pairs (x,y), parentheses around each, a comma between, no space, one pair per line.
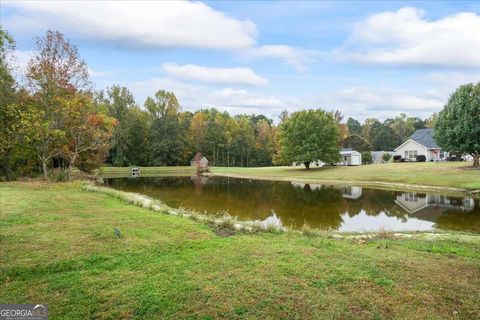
(161,134)
(55,118)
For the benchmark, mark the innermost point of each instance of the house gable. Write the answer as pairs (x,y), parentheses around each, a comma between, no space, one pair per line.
(410,140)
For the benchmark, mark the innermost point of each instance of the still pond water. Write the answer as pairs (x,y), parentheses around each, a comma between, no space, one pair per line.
(324,207)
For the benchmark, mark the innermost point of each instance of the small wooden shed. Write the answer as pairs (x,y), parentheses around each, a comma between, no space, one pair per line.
(196,159)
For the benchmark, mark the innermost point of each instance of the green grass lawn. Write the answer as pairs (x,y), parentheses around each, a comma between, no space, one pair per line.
(57,246)
(440,174)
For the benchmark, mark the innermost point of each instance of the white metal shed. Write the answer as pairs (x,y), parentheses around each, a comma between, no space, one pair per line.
(350,158)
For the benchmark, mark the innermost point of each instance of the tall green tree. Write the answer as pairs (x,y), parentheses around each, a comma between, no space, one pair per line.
(264,144)
(403,127)
(354,127)
(457,128)
(307,136)
(118,101)
(15,113)
(382,136)
(357,142)
(136,137)
(167,138)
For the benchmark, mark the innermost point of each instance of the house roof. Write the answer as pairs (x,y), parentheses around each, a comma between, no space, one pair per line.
(425,138)
(346,152)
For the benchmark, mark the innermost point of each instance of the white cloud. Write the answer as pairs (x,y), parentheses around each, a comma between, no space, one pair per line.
(241,98)
(292,56)
(20,60)
(193,97)
(405,37)
(214,75)
(97,74)
(360,102)
(384,102)
(163,24)
(447,82)
(153,24)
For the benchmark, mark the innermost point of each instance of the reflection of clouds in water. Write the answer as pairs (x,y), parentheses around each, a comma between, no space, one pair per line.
(320,206)
(364,222)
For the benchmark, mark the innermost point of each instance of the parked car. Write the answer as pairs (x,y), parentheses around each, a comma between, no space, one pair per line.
(454,157)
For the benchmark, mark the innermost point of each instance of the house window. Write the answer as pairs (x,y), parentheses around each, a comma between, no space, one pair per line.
(411,197)
(411,154)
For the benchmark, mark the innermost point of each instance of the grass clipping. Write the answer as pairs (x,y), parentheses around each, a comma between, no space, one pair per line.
(223,223)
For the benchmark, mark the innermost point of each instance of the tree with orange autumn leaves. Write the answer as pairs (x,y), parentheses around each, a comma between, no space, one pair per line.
(66,122)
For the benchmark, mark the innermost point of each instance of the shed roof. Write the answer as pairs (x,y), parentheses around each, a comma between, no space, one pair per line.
(347,152)
(425,138)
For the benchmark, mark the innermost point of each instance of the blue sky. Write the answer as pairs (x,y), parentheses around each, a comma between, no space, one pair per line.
(366,59)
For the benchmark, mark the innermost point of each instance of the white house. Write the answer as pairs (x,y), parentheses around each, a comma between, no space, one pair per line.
(421,142)
(350,157)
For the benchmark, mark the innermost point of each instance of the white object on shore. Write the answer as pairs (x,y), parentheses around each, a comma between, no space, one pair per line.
(272,222)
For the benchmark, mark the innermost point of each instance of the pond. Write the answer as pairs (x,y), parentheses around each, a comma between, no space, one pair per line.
(346,209)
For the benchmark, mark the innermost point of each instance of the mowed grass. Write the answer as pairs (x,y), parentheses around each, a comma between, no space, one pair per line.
(179,171)
(439,174)
(57,246)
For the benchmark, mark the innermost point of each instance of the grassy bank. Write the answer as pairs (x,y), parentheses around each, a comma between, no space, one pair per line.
(57,246)
(442,175)
(112,172)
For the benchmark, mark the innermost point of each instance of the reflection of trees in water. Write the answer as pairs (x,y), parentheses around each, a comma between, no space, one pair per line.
(319,208)
(375,202)
(313,204)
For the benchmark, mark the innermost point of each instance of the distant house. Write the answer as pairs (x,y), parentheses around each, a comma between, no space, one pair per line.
(421,142)
(377,156)
(196,159)
(350,157)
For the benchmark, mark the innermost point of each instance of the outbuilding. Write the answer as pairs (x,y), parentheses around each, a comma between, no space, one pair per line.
(350,157)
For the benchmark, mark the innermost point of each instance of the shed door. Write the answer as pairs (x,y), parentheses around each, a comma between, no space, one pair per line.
(355,159)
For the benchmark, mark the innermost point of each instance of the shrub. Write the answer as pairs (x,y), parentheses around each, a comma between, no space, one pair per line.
(421,158)
(386,157)
(397,158)
(366,157)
